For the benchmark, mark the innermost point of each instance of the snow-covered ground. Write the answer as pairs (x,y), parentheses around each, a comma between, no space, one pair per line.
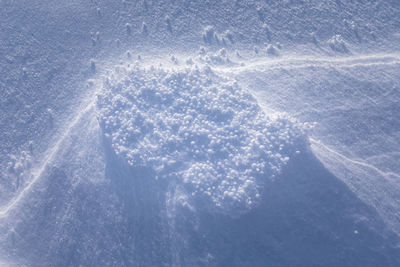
(199,133)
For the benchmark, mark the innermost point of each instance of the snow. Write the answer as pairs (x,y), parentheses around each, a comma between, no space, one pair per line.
(199,133)
(197,127)
(338,44)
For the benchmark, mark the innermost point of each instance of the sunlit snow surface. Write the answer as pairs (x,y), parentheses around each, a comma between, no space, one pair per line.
(199,128)
(192,162)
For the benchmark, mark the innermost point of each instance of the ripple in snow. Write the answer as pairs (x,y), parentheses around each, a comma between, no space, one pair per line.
(199,129)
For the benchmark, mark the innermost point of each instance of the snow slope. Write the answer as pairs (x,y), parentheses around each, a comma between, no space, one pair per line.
(347,102)
(199,133)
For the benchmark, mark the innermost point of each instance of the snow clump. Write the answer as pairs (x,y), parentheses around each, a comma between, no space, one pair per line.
(199,129)
(218,58)
(338,44)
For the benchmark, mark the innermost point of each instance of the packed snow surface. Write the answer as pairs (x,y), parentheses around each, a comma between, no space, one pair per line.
(199,128)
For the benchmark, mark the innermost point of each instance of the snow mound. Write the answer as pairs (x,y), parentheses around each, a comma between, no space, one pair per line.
(198,129)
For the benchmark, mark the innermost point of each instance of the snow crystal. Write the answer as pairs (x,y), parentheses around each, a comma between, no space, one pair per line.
(197,128)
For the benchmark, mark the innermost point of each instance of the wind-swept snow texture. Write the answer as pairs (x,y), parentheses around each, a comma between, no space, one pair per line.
(178,133)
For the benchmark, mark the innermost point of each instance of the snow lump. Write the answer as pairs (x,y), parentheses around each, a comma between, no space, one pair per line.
(199,130)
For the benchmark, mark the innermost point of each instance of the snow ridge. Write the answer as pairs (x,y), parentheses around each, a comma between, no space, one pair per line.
(319,144)
(51,153)
(295,62)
